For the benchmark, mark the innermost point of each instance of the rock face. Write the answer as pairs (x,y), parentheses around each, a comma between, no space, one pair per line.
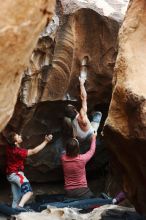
(55,77)
(84,33)
(106,212)
(125,128)
(41,58)
(55,63)
(110,8)
(20,25)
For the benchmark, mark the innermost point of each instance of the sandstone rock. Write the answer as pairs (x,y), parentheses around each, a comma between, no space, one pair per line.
(55,76)
(34,121)
(125,128)
(84,33)
(106,212)
(110,8)
(20,25)
(33,77)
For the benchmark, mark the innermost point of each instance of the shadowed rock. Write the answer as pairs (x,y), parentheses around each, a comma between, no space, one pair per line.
(125,128)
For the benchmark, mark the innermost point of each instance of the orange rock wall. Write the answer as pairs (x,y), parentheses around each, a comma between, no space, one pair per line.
(20,24)
(125,128)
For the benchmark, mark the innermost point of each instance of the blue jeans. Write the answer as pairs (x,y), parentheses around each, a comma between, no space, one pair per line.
(80,204)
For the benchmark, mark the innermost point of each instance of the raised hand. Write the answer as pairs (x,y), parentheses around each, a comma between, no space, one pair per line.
(49,137)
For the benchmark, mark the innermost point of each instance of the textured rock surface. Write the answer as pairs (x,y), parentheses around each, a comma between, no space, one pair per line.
(20,24)
(35,74)
(111,8)
(83,33)
(125,128)
(58,74)
(106,212)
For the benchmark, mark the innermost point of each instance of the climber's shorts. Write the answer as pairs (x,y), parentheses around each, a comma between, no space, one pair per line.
(21,181)
(26,187)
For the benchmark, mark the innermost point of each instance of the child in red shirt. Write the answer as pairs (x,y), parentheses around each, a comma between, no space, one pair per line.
(21,188)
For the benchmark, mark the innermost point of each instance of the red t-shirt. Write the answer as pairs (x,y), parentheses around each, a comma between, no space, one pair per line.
(74,168)
(15,157)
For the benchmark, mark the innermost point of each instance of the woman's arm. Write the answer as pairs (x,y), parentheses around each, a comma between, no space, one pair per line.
(87,156)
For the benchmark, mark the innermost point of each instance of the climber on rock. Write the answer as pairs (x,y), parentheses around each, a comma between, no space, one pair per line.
(78,121)
(74,168)
(15,156)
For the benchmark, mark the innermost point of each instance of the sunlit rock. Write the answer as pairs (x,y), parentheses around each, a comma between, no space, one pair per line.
(84,33)
(125,128)
(20,25)
(111,8)
(108,212)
